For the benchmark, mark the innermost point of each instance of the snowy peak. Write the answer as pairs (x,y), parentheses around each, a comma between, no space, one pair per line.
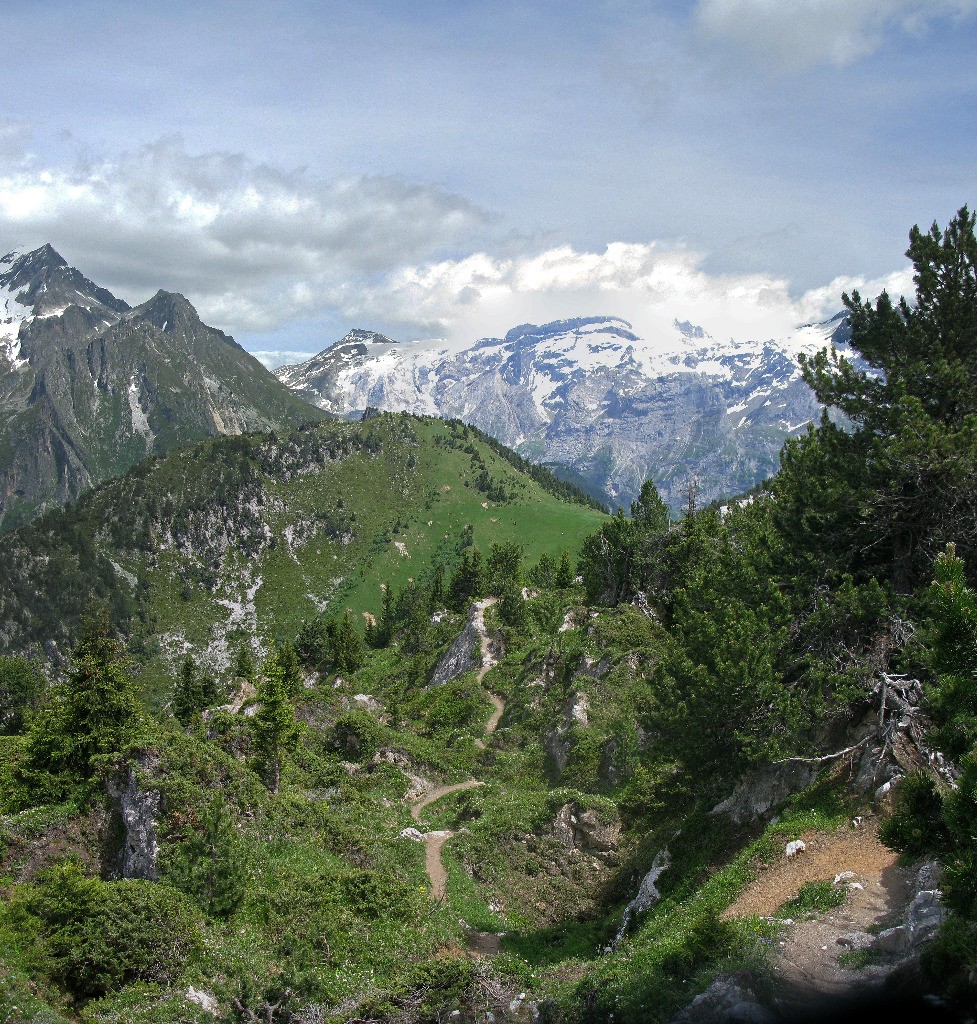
(359,337)
(593,395)
(40,283)
(320,379)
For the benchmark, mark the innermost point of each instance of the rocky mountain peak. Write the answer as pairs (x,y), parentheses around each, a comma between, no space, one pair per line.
(88,386)
(168,311)
(357,336)
(41,283)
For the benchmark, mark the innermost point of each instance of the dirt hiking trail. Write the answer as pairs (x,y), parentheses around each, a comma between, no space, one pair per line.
(433,841)
(806,971)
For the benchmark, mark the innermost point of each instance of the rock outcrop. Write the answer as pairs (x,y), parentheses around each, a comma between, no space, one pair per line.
(138,803)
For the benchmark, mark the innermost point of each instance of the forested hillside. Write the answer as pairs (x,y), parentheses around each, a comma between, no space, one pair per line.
(366,724)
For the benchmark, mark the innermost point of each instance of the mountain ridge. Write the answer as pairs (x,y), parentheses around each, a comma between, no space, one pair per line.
(89,385)
(591,395)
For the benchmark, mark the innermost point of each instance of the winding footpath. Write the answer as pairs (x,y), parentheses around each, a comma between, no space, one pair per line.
(433,841)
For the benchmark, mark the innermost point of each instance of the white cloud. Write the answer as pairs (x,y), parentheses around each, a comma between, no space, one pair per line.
(257,249)
(805,33)
(273,358)
(817,302)
(251,245)
(645,283)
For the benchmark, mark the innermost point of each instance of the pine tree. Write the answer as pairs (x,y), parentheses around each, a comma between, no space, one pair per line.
(93,717)
(951,638)
(543,572)
(291,670)
(512,607)
(385,627)
(504,567)
(436,599)
(275,729)
(211,863)
(468,581)
(244,662)
(349,652)
(185,697)
(21,685)
(883,498)
(564,572)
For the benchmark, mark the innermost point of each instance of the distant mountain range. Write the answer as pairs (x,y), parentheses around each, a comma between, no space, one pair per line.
(593,400)
(89,385)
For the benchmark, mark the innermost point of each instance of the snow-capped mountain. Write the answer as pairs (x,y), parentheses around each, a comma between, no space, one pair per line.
(89,385)
(593,397)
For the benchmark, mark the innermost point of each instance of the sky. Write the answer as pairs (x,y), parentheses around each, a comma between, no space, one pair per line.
(450,170)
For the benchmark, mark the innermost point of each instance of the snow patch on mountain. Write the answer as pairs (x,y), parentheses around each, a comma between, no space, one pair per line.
(592,394)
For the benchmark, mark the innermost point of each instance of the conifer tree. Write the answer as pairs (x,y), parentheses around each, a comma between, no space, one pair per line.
(436,599)
(385,627)
(291,670)
(543,573)
(275,729)
(211,863)
(883,498)
(504,567)
(91,718)
(512,607)
(468,581)
(244,662)
(564,572)
(186,695)
(348,651)
(21,686)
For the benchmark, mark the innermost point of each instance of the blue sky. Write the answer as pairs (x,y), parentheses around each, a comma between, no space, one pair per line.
(450,169)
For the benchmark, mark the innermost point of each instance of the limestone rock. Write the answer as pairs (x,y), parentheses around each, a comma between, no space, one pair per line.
(465,653)
(648,894)
(725,1000)
(762,790)
(139,805)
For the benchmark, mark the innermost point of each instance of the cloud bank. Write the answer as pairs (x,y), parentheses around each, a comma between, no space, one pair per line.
(260,250)
(250,244)
(646,283)
(804,33)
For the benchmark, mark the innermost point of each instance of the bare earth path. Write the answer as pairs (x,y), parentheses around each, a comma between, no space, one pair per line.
(433,841)
(806,968)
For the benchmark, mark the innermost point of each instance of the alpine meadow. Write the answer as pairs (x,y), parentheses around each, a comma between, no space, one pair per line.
(267,695)
(488,513)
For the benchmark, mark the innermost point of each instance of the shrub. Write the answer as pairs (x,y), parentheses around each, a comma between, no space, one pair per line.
(92,937)
(814,898)
(21,686)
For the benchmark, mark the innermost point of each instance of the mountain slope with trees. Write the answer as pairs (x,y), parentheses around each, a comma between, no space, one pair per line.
(681,708)
(90,386)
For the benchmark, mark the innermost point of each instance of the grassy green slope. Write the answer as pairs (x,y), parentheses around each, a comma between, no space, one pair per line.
(254,534)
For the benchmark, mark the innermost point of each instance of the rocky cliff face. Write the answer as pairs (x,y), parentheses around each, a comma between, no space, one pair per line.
(89,385)
(591,396)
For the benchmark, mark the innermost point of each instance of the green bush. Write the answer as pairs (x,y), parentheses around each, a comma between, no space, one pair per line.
(950,961)
(356,735)
(92,937)
(916,828)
